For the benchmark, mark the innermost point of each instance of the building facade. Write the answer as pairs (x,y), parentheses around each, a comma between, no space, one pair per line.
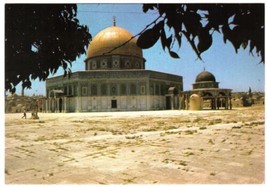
(210,95)
(114,79)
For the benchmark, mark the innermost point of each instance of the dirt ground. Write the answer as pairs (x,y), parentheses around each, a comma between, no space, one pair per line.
(151,147)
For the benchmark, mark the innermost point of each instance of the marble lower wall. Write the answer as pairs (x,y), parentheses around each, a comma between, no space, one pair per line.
(116,103)
(111,103)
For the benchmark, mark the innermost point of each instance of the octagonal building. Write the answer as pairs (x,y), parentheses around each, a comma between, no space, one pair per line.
(208,90)
(114,79)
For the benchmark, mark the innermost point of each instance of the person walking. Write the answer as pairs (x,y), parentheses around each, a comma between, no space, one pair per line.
(24,114)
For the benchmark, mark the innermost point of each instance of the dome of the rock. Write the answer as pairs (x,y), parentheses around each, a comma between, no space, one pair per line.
(112,41)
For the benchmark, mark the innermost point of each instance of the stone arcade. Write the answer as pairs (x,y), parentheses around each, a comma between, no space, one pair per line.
(206,94)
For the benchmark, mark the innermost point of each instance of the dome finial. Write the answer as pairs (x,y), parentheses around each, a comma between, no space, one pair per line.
(204,69)
(114,21)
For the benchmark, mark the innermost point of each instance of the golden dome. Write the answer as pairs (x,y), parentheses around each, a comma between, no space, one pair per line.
(110,38)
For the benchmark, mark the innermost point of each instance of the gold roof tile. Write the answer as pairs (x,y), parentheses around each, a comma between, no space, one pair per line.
(110,38)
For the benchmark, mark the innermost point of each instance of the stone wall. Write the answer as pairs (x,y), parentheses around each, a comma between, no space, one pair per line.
(116,103)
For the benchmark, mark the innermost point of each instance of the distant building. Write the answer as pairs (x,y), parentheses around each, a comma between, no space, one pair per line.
(211,96)
(16,104)
(241,99)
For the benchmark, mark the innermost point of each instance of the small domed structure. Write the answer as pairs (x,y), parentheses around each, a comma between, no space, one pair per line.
(205,76)
(205,79)
(207,94)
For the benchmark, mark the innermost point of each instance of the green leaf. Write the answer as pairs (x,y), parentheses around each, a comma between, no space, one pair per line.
(53,30)
(163,39)
(173,54)
(169,41)
(192,22)
(244,45)
(149,37)
(179,38)
(205,40)
(147,7)
(159,26)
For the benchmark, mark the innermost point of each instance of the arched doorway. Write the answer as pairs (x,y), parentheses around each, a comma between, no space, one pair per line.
(168,102)
(221,100)
(171,101)
(60,104)
(208,100)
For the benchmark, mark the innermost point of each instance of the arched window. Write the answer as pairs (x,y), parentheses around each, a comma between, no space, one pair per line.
(65,90)
(94,89)
(94,65)
(113,90)
(103,89)
(127,64)
(70,90)
(84,90)
(157,89)
(75,90)
(123,89)
(151,89)
(133,89)
(143,89)
(222,94)
(104,64)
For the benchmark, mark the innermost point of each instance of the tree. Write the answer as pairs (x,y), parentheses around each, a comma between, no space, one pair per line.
(40,38)
(241,24)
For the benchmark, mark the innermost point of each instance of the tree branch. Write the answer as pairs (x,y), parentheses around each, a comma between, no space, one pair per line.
(153,22)
(192,44)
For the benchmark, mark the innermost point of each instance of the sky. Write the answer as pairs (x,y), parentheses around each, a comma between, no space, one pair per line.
(235,71)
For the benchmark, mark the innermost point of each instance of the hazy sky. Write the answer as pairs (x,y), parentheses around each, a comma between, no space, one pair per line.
(235,71)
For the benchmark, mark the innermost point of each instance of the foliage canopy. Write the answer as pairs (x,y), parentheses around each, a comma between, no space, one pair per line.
(241,24)
(40,38)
